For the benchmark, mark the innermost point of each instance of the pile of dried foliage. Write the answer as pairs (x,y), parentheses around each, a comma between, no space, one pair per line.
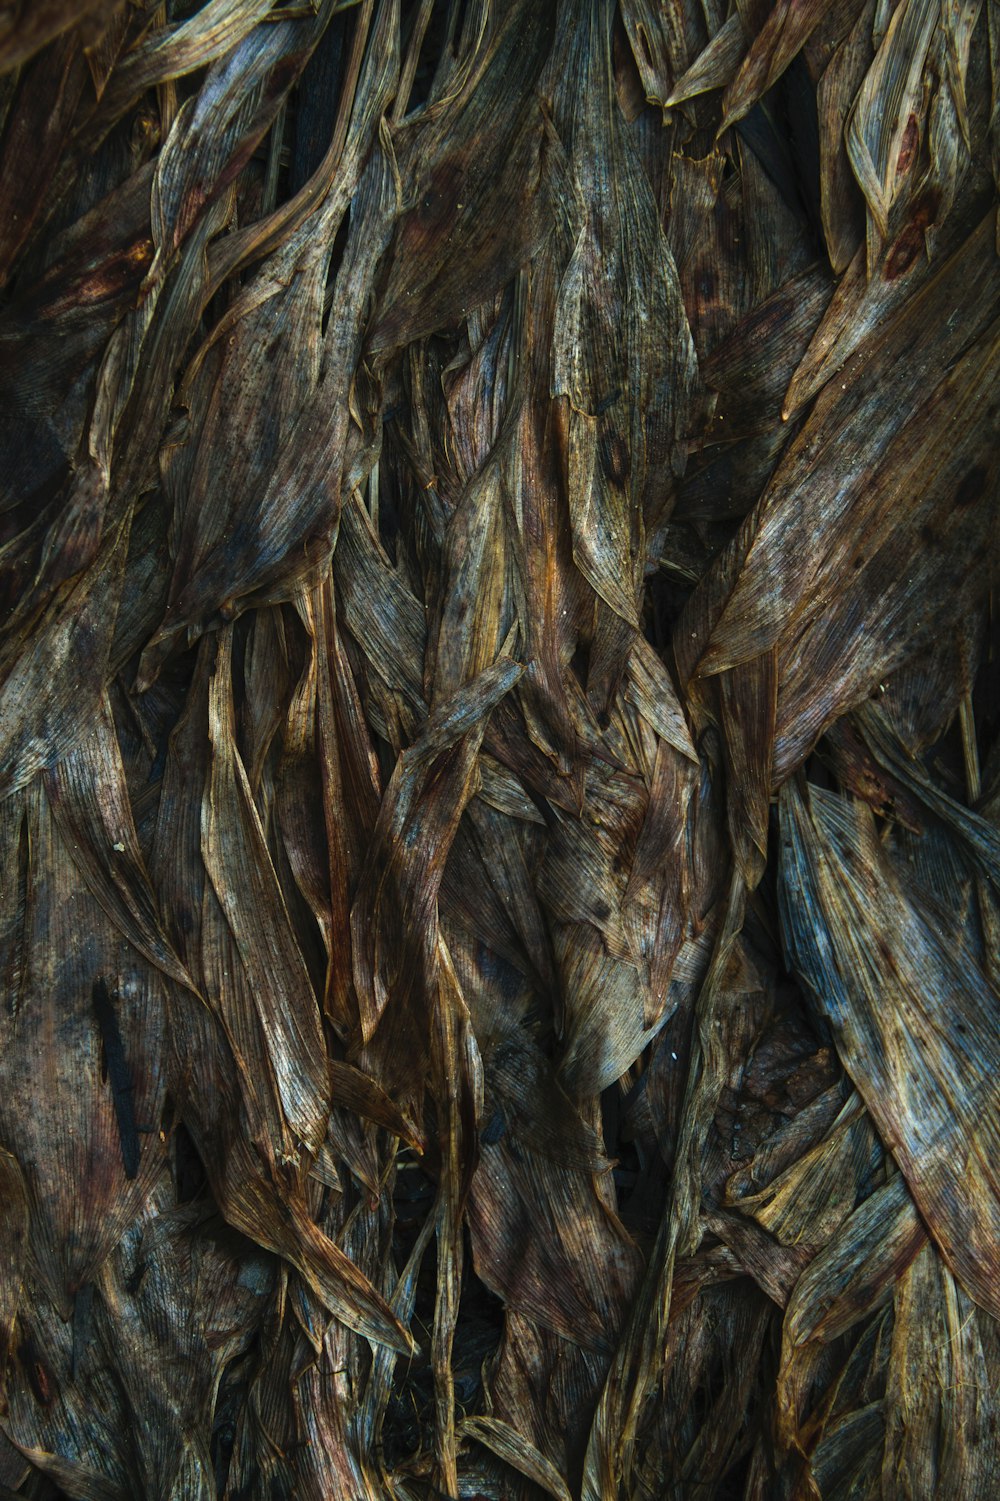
(499,750)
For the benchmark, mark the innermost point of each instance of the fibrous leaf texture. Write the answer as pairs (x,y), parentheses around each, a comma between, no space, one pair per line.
(499,750)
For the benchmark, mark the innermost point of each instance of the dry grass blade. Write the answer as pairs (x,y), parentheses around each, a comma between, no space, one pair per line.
(914,1022)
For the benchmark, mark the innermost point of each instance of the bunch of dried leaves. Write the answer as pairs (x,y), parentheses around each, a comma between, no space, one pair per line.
(499,750)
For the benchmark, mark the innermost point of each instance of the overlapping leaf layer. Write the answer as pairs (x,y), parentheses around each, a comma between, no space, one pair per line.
(499,750)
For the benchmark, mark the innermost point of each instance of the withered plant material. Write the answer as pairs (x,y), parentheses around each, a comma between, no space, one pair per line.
(499,750)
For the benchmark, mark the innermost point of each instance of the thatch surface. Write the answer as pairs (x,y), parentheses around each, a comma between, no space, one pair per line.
(499,750)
